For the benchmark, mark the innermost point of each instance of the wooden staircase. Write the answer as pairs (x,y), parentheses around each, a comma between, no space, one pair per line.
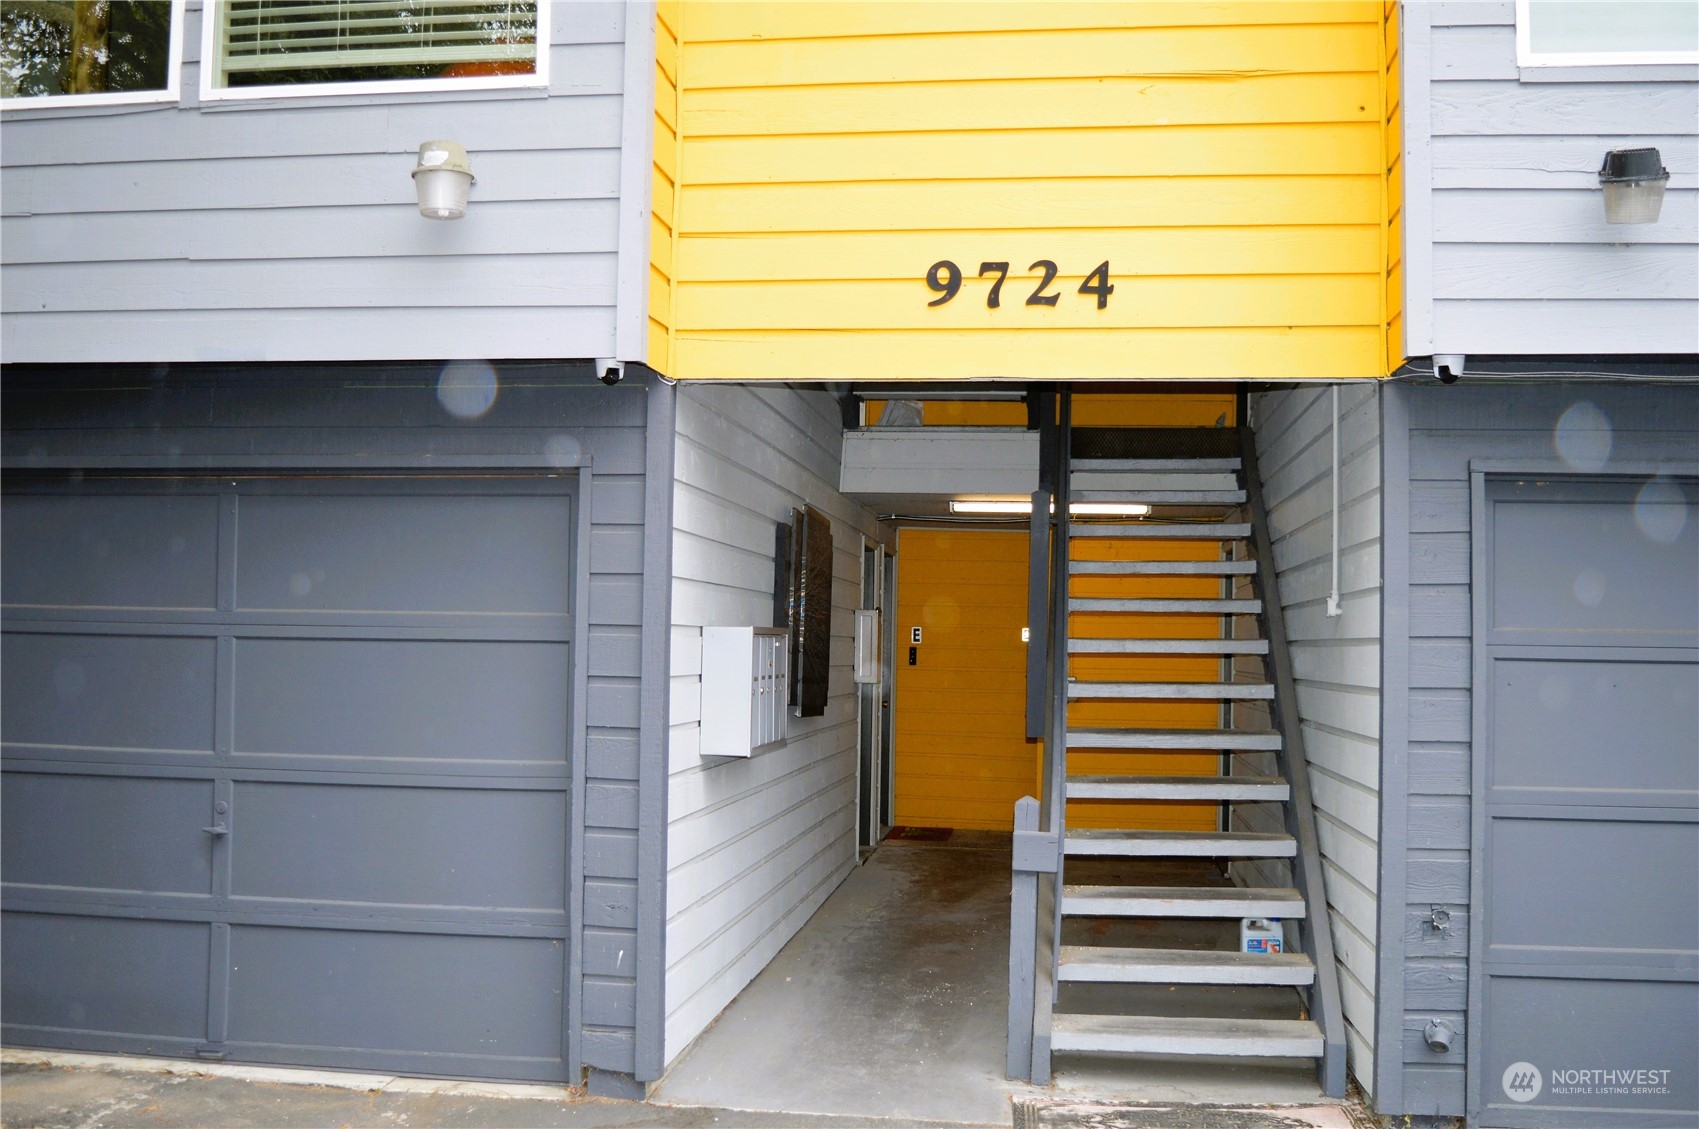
(1204,497)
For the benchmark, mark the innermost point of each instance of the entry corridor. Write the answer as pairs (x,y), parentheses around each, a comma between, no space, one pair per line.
(891,1002)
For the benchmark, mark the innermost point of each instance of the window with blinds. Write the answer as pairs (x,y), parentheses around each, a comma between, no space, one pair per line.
(262,43)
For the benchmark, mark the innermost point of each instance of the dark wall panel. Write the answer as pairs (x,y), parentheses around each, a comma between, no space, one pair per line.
(60,975)
(294,840)
(107,832)
(110,552)
(108,691)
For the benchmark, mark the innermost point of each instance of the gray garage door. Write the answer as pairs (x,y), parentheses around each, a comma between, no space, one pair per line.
(286,770)
(1586,965)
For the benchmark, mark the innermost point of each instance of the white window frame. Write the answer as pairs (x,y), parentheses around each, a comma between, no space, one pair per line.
(539,78)
(171,92)
(1527,57)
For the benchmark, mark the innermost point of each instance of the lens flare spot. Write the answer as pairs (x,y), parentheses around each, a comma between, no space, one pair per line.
(1590,584)
(300,584)
(561,451)
(467,389)
(1583,436)
(1660,510)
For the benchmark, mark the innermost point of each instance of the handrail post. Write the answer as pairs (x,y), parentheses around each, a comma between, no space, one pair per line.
(1316,929)
(1023,945)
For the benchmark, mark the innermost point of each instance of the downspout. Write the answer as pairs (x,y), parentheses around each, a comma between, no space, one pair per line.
(1333,608)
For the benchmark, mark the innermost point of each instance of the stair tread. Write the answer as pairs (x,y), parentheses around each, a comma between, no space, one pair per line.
(1151,1034)
(1235,844)
(1168,646)
(1158,497)
(1212,739)
(1105,964)
(1200,531)
(1201,466)
(1091,688)
(1161,605)
(1082,900)
(1162,568)
(1100,786)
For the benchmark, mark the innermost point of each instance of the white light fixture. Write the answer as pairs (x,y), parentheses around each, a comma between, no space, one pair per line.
(1634,181)
(443,180)
(1076,509)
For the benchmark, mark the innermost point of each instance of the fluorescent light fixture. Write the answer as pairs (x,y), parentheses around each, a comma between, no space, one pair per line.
(1076,509)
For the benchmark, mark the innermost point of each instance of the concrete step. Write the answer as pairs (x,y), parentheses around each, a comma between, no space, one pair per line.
(1149,1034)
(1095,843)
(1206,740)
(1161,568)
(1168,646)
(1181,901)
(1104,965)
(1214,789)
(1156,466)
(1157,606)
(1159,497)
(1182,531)
(1213,691)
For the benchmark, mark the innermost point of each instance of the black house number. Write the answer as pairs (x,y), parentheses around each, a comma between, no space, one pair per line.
(945,279)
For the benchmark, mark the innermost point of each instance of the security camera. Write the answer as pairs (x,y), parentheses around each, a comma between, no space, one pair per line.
(609,371)
(1448,367)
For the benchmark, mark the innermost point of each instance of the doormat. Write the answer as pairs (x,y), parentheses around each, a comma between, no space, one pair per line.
(1068,1113)
(921,834)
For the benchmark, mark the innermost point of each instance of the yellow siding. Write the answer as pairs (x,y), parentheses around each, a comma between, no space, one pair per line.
(663,225)
(1227,160)
(1393,132)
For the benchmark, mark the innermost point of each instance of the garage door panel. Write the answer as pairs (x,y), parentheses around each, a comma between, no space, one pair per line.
(1562,1025)
(436,995)
(474,553)
(135,551)
(149,839)
(290,841)
(109,691)
(1604,884)
(1598,725)
(1593,566)
(101,974)
(419,699)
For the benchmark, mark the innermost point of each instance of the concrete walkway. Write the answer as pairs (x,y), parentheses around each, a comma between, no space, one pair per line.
(892,1002)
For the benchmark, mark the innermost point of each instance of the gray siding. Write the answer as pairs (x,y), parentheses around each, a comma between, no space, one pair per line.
(306,417)
(1506,246)
(1335,661)
(754,846)
(1424,972)
(287,229)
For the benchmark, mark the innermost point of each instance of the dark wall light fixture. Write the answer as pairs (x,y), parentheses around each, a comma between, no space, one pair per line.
(1633,180)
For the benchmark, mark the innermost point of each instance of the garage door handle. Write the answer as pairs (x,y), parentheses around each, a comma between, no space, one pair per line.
(216,830)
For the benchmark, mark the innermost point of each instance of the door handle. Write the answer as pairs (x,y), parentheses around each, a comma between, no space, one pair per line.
(216,830)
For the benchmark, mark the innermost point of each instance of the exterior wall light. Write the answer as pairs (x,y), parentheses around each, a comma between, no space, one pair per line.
(1633,180)
(443,180)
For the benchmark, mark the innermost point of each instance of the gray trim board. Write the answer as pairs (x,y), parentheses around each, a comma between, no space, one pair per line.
(580,737)
(655,678)
(1394,744)
(1475,1036)
(1415,102)
(636,160)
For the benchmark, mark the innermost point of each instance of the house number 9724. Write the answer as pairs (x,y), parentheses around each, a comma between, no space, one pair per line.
(945,279)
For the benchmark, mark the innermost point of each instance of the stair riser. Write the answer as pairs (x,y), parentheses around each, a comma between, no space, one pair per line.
(1165,607)
(1064,1042)
(1132,481)
(1161,568)
(1160,497)
(1152,907)
(1167,647)
(1109,974)
(1198,532)
(1206,849)
(1209,691)
(1155,466)
(1175,741)
(1221,794)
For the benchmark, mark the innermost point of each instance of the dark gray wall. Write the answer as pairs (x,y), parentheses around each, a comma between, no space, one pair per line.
(391,417)
(1432,435)
(286,229)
